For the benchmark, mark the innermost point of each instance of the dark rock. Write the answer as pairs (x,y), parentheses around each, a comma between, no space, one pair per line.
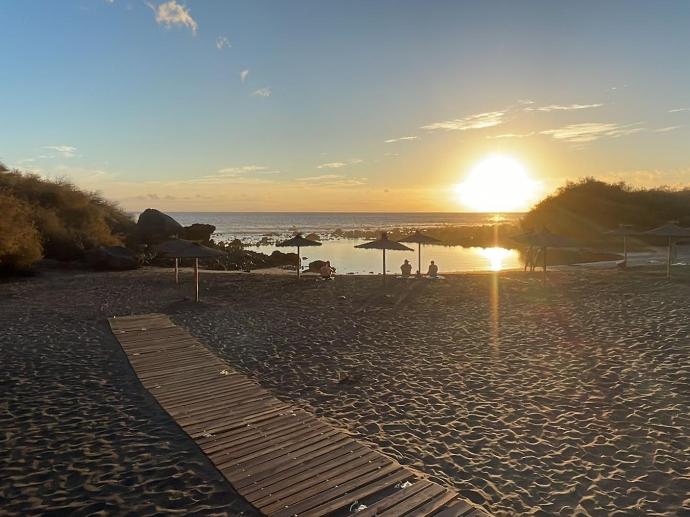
(313,237)
(316,265)
(112,258)
(154,226)
(199,232)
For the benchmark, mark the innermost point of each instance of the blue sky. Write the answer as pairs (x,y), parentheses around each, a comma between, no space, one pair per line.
(344,105)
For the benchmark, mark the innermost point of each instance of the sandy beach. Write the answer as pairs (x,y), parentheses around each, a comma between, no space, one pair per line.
(568,399)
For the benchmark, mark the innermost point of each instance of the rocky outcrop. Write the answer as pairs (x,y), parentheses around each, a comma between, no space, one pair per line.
(154,226)
(112,258)
(198,232)
(316,265)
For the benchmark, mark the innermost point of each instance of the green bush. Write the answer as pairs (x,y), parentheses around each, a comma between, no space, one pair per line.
(585,209)
(20,242)
(69,221)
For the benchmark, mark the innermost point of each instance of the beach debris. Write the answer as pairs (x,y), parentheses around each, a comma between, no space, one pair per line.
(342,297)
(225,372)
(404,484)
(358,507)
(206,434)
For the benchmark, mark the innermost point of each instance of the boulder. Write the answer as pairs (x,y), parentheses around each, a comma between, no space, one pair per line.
(112,258)
(316,265)
(313,237)
(199,232)
(154,226)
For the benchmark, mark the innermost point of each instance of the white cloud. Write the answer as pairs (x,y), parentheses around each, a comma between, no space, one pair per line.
(678,110)
(262,92)
(667,129)
(338,165)
(561,107)
(171,13)
(513,135)
(333,180)
(392,140)
(243,75)
(222,42)
(478,121)
(66,151)
(245,169)
(591,131)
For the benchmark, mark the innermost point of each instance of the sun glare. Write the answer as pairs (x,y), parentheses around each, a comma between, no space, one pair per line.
(495,256)
(497,184)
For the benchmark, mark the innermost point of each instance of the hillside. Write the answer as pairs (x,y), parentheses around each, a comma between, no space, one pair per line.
(585,209)
(53,219)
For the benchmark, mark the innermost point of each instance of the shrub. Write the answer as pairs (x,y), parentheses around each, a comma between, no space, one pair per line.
(20,242)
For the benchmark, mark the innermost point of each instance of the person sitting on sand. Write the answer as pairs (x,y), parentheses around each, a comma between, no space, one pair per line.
(433,270)
(406,269)
(327,271)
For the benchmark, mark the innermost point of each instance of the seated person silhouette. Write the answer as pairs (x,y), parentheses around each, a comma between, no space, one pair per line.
(406,269)
(433,270)
(327,271)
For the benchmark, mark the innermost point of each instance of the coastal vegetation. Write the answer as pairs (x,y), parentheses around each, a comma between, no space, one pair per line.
(53,219)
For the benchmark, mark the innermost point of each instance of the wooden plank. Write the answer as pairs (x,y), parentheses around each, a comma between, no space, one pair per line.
(393,499)
(283,460)
(337,497)
(420,498)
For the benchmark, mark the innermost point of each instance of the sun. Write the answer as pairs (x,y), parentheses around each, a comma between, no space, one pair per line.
(498,183)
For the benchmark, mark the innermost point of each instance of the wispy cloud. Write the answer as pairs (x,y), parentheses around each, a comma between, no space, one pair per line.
(678,110)
(66,151)
(478,121)
(245,169)
(564,107)
(590,131)
(243,174)
(333,180)
(172,14)
(402,138)
(243,75)
(338,165)
(513,135)
(222,42)
(667,129)
(262,92)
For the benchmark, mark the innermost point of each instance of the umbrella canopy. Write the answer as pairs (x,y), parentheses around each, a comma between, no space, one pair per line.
(671,231)
(298,241)
(384,243)
(421,239)
(625,231)
(543,239)
(180,248)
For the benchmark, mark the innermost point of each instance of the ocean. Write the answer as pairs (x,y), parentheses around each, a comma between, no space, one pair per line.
(252,227)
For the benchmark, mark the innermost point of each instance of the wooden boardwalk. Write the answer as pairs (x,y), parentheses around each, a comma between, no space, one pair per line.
(284,461)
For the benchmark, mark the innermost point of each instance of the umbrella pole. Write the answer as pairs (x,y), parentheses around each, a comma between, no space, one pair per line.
(384,267)
(299,264)
(196,278)
(544,264)
(177,271)
(419,260)
(668,262)
(625,250)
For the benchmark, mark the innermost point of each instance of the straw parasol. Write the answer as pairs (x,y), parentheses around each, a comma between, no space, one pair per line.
(672,232)
(421,239)
(299,242)
(543,240)
(384,243)
(181,248)
(625,231)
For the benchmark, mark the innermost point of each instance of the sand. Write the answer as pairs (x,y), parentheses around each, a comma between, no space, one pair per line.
(568,399)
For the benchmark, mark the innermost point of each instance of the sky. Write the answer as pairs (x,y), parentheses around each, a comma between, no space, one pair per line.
(327,105)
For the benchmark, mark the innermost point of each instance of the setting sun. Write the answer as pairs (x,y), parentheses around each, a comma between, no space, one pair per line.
(497,184)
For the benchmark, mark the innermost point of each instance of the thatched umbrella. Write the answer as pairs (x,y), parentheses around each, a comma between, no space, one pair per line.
(384,243)
(180,248)
(625,231)
(672,232)
(299,242)
(421,239)
(543,240)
